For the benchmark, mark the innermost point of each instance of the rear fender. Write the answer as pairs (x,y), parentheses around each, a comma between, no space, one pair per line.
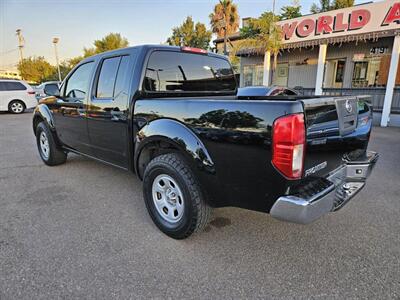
(177,135)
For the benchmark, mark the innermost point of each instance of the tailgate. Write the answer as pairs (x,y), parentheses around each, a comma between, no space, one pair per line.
(337,127)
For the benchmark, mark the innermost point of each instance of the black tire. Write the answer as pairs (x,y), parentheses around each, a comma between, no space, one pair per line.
(54,155)
(16,107)
(196,212)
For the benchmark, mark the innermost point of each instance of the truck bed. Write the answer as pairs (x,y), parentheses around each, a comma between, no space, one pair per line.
(237,134)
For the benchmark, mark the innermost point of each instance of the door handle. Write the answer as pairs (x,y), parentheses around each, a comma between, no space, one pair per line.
(117,115)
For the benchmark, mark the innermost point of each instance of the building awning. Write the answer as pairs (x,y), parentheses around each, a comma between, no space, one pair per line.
(357,38)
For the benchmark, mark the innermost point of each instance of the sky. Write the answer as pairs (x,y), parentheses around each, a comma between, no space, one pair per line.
(78,23)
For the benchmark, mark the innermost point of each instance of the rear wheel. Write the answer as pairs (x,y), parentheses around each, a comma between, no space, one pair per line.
(50,154)
(173,197)
(16,107)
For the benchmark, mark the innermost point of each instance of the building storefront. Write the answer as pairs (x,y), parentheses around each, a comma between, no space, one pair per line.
(348,65)
(343,52)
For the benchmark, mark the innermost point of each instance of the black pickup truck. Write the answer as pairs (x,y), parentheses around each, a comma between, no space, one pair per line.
(172,116)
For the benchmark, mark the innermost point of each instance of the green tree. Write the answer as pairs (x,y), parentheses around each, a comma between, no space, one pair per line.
(261,35)
(72,62)
(111,41)
(224,17)
(324,5)
(190,34)
(343,3)
(291,11)
(65,68)
(35,69)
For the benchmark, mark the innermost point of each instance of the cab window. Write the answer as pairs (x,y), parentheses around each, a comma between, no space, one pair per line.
(112,78)
(177,72)
(120,89)
(108,74)
(77,85)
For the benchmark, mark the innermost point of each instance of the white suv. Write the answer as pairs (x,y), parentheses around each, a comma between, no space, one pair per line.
(16,96)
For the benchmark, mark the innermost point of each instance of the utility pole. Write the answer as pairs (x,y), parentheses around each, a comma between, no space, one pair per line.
(21,43)
(273,7)
(55,41)
(225,25)
(225,40)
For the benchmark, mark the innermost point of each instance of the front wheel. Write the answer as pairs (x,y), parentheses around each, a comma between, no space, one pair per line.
(173,197)
(48,150)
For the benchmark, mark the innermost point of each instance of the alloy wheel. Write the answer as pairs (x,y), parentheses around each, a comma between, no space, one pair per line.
(17,107)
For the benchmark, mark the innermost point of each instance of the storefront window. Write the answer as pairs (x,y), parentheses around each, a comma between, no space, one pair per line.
(340,71)
(366,72)
(334,73)
(252,75)
(281,74)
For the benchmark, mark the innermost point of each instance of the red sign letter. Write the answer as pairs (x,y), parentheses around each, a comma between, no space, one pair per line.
(305,28)
(324,24)
(338,24)
(359,18)
(393,15)
(288,29)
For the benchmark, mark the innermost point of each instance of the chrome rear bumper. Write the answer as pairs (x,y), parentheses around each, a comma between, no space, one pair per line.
(340,186)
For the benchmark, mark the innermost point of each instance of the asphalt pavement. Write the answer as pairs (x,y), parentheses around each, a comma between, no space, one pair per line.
(81,230)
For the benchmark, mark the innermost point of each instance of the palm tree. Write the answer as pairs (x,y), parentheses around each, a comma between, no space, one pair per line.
(262,36)
(225,19)
(291,11)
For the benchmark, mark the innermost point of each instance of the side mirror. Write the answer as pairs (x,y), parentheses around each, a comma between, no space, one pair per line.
(52,90)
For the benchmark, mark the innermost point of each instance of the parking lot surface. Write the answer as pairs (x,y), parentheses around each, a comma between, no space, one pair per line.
(81,230)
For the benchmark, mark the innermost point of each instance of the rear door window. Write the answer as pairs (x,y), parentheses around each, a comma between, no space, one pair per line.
(108,74)
(120,88)
(2,86)
(112,78)
(122,81)
(179,72)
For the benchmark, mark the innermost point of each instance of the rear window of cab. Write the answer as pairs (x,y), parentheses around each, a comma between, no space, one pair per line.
(179,72)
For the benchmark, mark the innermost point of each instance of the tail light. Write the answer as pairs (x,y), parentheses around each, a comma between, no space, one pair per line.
(288,145)
(194,50)
(31,93)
